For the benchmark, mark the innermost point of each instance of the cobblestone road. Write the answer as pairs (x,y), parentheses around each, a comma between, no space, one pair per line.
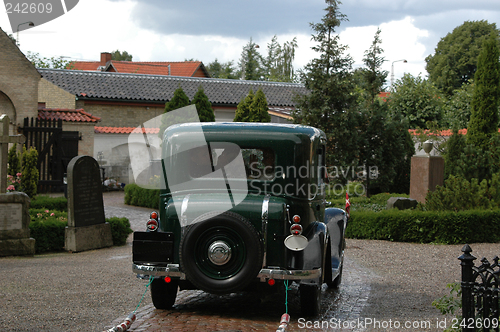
(199,311)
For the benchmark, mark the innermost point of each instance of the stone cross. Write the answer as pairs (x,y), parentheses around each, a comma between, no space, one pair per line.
(5,139)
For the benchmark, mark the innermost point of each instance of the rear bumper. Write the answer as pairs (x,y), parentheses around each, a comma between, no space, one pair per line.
(173,270)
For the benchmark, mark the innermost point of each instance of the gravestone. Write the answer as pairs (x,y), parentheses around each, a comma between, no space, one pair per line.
(87,228)
(427,172)
(14,225)
(14,207)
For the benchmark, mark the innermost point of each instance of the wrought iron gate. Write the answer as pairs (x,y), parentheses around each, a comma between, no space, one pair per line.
(55,149)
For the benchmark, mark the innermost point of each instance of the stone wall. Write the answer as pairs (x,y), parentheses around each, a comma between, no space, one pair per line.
(53,96)
(18,82)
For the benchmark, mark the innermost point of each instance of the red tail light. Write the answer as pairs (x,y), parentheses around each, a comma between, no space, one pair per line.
(153,215)
(152,225)
(296,219)
(296,229)
(271,282)
(167,279)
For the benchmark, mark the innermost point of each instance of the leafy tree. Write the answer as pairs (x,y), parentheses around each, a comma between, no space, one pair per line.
(222,70)
(203,106)
(278,63)
(329,105)
(121,56)
(259,108)
(455,59)
(179,100)
(486,97)
(417,100)
(44,62)
(29,171)
(457,109)
(251,62)
(242,113)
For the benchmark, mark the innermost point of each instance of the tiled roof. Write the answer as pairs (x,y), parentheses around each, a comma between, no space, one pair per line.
(124,130)
(157,88)
(66,114)
(447,132)
(181,68)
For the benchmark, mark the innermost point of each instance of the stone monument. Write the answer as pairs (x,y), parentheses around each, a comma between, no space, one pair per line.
(427,172)
(87,228)
(14,207)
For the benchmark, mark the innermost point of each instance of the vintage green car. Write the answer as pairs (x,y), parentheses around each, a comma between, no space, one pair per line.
(242,204)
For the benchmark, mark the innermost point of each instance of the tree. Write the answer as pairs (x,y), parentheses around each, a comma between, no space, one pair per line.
(486,96)
(373,76)
(222,70)
(454,61)
(457,109)
(329,103)
(417,100)
(454,147)
(278,63)
(179,100)
(14,161)
(44,62)
(259,108)
(121,56)
(242,113)
(203,106)
(251,62)
(29,171)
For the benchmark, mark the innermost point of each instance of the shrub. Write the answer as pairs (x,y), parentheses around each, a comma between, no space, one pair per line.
(135,195)
(49,203)
(29,171)
(374,203)
(120,229)
(426,226)
(14,161)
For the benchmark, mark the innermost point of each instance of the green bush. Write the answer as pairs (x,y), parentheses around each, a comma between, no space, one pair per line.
(426,226)
(374,203)
(49,203)
(48,229)
(135,195)
(120,229)
(48,233)
(29,172)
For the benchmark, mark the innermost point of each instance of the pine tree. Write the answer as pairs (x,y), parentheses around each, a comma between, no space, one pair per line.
(483,122)
(203,106)
(328,105)
(179,100)
(242,113)
(259,108)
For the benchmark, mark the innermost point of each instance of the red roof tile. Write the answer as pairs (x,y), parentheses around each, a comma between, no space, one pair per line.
(184,68)
(66,114)
(124,130)
(447,132)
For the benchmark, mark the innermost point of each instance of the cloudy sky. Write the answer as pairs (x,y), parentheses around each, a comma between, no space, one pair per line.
(158,30)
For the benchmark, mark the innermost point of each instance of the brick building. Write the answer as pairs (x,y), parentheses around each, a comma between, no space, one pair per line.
(18,83)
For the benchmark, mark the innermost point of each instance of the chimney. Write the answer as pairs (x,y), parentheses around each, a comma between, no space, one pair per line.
(105,58)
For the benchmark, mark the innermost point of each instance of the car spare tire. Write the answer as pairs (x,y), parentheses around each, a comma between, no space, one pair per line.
(221,252)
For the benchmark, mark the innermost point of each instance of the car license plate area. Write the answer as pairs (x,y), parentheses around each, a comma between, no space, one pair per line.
(152,247)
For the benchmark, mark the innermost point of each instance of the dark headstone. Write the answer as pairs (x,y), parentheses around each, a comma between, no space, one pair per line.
(401,203)
(85,204)
(87,228)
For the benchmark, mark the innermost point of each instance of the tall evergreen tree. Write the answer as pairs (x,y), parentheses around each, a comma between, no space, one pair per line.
(251,62)
(179,100)
(483,122)
(242,113)
(203,106)
(329,104)
(259,108)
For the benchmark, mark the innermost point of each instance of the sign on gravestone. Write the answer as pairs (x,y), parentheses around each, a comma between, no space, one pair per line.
(87,228)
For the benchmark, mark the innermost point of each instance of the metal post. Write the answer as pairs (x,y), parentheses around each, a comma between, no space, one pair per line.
(467,262)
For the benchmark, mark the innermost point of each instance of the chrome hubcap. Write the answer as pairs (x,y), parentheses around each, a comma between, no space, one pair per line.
(219,252)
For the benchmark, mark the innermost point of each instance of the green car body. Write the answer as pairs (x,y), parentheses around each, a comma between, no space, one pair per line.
(261,215)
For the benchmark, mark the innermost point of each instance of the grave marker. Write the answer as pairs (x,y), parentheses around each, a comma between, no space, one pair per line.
(5,139)
(87,228)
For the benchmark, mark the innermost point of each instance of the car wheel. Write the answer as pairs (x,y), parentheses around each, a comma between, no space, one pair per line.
(310,299)
(221,252)
(163,294)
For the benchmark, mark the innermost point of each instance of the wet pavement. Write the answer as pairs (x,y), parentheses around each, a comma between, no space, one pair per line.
(199,311)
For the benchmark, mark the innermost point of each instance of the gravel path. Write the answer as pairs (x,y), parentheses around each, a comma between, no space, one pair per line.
(87,291)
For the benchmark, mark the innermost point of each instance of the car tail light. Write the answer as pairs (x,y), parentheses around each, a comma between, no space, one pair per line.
(271,282)
(153,215)
(167,279)
(296,229)
(296,218)
(152,225)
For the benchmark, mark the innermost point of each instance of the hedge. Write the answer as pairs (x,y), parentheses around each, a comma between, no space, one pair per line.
(135,195)
(446,227)
(49,203)
(49,232)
